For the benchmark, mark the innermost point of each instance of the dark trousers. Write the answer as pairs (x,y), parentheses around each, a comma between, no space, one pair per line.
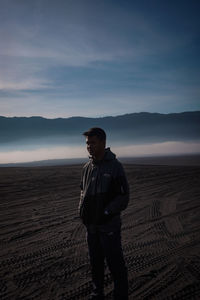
(107,245)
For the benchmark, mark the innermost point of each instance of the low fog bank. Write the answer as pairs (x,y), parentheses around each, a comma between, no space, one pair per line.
(173,160)
(78,153)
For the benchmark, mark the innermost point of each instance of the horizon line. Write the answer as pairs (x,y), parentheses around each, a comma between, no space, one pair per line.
(83,159)
(106,116)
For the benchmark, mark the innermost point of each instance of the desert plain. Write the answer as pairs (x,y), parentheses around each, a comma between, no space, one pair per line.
(43,250)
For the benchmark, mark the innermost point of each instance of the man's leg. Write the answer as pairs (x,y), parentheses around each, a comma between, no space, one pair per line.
(111,242)
(96,256)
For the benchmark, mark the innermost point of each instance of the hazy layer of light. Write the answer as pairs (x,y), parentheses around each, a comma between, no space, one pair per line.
(62,152)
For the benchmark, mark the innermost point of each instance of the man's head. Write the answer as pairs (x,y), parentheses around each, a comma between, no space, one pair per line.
(96,142)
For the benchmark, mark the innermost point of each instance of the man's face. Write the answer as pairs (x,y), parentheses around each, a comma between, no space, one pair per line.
(95,146)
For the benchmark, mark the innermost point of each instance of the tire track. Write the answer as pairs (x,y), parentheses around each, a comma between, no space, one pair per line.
(160,235)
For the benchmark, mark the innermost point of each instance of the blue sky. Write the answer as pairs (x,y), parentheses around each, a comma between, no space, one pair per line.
(95,58)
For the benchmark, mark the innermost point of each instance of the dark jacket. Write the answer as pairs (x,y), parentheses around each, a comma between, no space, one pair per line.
(104,188)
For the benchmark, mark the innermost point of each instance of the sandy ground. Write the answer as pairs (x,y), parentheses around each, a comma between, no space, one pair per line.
(43,252)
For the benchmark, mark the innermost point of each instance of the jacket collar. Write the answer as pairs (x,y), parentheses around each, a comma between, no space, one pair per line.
(108,155)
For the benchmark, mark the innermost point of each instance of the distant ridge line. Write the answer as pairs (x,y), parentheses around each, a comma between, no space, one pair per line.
(109,116)
(129,128)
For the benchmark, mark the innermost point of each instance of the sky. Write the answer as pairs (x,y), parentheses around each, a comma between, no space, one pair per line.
(97,58)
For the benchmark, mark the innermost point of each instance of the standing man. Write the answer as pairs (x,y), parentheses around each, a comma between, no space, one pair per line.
(104,194)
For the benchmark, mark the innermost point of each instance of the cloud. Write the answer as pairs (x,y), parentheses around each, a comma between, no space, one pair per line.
(66,34)
(24,84)
(82,53)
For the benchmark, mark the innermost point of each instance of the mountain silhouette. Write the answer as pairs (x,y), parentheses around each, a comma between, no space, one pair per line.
(134,127)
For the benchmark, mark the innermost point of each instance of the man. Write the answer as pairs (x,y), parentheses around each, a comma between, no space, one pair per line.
(104,194)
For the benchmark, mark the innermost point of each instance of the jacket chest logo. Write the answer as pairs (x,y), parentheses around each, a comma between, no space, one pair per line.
(107,175)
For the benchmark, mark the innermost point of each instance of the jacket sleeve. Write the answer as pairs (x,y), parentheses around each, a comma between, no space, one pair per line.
(120,192)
